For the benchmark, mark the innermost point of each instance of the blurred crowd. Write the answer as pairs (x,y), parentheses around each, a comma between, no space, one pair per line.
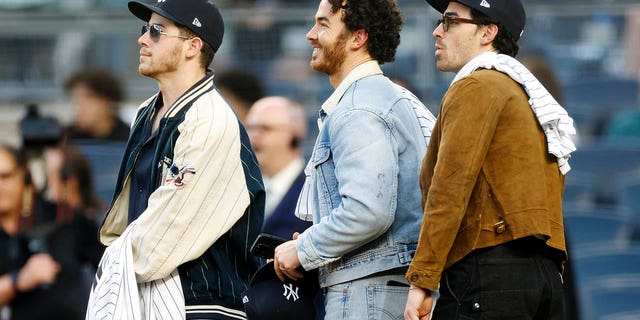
(49,208)
(54,189)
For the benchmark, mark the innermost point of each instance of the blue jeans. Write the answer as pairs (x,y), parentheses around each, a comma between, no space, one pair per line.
(372,298)
(516,280)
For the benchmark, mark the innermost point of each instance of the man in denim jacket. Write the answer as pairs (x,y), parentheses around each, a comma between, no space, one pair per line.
(362,187)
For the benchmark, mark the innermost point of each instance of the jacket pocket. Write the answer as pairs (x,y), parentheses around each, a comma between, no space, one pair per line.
(325,176)
(320,155)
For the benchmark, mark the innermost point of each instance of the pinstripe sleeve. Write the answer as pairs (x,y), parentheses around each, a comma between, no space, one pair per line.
(184,218)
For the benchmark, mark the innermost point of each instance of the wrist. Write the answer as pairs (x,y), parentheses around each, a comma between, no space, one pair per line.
(427,292)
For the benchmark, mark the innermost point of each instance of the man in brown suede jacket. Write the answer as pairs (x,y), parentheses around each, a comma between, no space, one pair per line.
(492,240)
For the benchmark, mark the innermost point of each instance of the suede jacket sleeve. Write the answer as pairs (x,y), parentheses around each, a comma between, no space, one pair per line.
(458,147)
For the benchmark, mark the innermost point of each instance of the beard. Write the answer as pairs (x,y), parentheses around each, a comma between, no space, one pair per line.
(153,68)
(332,57)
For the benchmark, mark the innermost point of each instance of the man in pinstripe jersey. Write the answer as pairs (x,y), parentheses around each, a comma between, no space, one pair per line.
(189,183)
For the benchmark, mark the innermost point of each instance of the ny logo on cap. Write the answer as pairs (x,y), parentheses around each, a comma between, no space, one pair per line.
(485,4)
(159,1)
(196,23)
(289,293)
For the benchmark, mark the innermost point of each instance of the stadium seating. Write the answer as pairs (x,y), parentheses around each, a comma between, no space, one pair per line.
(598,165)
(589,101)
(605,258)
(613,297)
(628,187)
(587,224)
(580,188)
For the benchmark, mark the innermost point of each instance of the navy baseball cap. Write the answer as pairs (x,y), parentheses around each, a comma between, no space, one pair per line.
(509,13)
(268,298)
(200,16)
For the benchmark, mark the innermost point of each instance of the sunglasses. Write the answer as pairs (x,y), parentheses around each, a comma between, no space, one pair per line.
(448,20)
(155,30)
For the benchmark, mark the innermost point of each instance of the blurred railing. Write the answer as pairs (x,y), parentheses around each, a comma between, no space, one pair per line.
(593,48)
(43,41)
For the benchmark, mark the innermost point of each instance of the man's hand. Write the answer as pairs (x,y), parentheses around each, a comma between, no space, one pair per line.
(286,260)
(39,269)
(419,304)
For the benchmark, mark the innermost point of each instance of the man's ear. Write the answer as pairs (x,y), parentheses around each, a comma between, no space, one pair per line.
(360,38)
(489,34)
(195,45)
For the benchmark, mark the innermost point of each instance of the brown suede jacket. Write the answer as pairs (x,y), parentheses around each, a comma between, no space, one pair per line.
(487,177)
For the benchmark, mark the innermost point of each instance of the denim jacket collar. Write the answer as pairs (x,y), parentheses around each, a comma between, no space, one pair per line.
(366,69)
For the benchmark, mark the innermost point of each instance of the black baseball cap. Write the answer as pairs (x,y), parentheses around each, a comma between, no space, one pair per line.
(268,298)
(200,16)
(509,13)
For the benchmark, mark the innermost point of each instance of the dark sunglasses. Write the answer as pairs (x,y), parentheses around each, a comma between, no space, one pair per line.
(448,20)
(155,31)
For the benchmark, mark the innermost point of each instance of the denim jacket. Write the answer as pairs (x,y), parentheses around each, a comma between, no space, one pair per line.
(363,179)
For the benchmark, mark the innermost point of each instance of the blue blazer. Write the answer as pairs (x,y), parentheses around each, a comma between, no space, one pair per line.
(283,221)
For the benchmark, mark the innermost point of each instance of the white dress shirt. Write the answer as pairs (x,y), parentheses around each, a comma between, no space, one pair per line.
(278,185)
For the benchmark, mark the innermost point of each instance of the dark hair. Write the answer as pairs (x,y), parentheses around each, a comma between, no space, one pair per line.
(504,42)
(16,155)
(246,86)
(207,53)
(382,21)
(20,159)
(541,69)
(75,164)
(100,81)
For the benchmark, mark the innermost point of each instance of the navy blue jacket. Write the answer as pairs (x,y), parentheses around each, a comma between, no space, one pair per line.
(283,222)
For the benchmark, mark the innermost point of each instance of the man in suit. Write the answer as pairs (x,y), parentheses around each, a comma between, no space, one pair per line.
(277,128)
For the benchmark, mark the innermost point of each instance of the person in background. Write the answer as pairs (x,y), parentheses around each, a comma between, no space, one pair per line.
(95,95)
(277,126)
(492,237)
(20,272)
(361,186)
(44,249)
(543,71)
(240,89)
(189,198)
(70,181)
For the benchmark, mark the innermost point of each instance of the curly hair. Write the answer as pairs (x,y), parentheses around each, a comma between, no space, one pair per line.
(382,21)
